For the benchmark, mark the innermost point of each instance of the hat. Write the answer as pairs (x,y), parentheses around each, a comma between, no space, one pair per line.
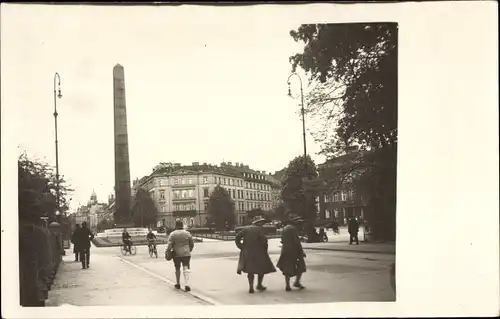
(297,219)
(259,220)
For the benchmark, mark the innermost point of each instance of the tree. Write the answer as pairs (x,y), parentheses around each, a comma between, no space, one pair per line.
(298,201)
(221,208)
(144,210)
(37,187)
(352,70)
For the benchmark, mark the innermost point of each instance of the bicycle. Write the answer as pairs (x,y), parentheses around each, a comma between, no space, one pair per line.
(132,250)
(152,249)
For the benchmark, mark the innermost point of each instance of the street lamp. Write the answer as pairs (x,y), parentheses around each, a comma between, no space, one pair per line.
(57,94)
(303,116)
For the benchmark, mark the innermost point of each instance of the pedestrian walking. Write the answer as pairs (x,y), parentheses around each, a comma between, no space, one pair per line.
(291,261)
(84,236)
(353,228)
(181,244)
(254,258)
(76,249)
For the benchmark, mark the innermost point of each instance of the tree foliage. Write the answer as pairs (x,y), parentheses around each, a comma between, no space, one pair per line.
(221,208)
(144,210)
(37,187)
(352,70)
(292,191)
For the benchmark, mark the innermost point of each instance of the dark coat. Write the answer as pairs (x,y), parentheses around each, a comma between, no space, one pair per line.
(76,248)
(254,258)
(291,261)
(353,226)
(82,239)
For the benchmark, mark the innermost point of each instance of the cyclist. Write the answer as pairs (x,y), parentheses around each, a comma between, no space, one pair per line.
(151,237)
(127,240)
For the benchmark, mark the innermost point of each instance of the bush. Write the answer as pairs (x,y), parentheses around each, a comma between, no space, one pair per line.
(202,230)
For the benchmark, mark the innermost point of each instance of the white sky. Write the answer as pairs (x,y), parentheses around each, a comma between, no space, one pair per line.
(198,88)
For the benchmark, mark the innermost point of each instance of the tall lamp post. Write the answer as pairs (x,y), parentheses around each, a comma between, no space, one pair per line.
(303,116)
(57,94)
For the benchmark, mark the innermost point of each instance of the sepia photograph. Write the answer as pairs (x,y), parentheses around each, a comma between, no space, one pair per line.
(167,161)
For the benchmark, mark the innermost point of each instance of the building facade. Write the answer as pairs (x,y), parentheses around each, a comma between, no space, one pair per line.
(91,212)
(344,202)
(182,191)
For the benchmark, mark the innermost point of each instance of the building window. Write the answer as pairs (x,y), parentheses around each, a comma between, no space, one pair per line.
(190,180)
(191,193)
(176,181)
(351,195)
(205,204)
(344,196)
(234,193)
(205,180)
(336,197)
(184,193)
(205,192)
(162,194)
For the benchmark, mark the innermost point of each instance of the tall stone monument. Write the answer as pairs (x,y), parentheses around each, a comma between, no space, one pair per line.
(123,212)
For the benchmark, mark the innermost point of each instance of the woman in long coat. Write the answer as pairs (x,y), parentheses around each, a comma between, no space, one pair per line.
(291,261)
(74,241)
(254,258)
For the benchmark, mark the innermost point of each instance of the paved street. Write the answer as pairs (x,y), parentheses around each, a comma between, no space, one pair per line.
(141,280)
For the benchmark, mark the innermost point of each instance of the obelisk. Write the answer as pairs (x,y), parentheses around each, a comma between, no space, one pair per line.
(123,214)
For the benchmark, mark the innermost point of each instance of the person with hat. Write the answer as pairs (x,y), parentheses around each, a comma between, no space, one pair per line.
(254,258)
(83,238)
(291,261)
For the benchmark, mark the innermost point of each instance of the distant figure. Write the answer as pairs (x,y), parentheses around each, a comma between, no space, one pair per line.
(181,243)
(291,261)
(335,227)
(127,240)
(151,237)
(353,228)
(254,258)
(76,249)
(84,237)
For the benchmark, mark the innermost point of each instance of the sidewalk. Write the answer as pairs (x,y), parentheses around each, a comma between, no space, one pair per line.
(110,281)
(375,248)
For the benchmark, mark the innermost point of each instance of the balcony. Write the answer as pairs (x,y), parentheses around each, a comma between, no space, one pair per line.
(185,199)
(184,213)
(185,185)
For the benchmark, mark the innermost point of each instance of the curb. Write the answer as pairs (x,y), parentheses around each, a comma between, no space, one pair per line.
(352,251)
(196,295)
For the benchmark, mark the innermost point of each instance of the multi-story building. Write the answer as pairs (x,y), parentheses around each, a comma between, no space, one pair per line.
(275,190)
(182,191)
(344,202)
(90,213)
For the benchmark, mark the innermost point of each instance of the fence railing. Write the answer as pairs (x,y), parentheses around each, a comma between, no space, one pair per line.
(227,237)
(40,252)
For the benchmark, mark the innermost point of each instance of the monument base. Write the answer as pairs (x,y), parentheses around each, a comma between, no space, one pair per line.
(124,223)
